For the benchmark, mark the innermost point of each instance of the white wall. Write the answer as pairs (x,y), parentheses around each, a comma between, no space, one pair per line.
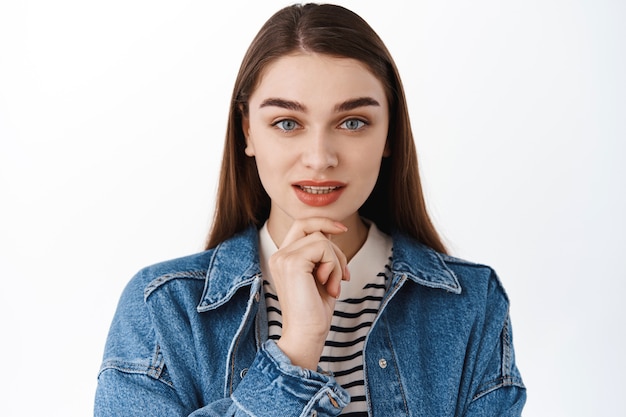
(111,122)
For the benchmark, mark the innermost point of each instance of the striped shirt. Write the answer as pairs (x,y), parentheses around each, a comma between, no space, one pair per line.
(354,314)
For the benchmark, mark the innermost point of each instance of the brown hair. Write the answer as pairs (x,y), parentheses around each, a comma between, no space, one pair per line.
(397,201)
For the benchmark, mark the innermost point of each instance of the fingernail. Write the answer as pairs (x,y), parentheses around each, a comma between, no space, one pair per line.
(341,226)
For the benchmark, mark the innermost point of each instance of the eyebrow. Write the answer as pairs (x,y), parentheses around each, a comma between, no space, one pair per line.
(355,104)
(296,106)
(284,104)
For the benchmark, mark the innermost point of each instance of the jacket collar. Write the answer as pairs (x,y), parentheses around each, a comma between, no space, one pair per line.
(235,264)
(422,264)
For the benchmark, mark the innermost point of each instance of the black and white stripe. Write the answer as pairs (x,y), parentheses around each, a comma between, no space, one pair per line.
(343,350)
(355,311)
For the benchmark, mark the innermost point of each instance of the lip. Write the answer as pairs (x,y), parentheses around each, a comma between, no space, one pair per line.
(318,193)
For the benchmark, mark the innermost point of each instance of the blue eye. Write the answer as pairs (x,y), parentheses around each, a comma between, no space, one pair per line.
(353,124)
(286,125)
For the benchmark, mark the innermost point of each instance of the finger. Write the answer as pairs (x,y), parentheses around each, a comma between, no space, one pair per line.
(317,248)
(312,250)
(315,255)
(304,227)
(332,270)
(329,275)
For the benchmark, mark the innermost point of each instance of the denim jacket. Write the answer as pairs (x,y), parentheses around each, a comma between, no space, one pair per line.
(189,338)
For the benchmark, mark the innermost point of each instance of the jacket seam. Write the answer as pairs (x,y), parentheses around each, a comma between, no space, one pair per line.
(497,383)
(506,349)
(395,367)
(162,279)
(449,259)
(506,377)
(234,346)
(158,363)
(150,371)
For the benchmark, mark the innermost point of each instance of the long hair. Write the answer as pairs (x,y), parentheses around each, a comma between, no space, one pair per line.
(396,202)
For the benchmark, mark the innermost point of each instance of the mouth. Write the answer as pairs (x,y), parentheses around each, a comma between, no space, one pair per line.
(318,194)
(311,189)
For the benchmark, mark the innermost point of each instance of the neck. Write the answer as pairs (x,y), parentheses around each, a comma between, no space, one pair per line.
(351,241)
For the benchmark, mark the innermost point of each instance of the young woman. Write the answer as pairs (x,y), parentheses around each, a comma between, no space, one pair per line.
(324,289)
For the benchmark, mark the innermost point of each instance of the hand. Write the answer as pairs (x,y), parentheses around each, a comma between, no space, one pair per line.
(307,271)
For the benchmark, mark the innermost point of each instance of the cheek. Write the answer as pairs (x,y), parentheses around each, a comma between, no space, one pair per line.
(267,177)
(368,166)
(273,164)
(369,159)
(365,170)
(263,166)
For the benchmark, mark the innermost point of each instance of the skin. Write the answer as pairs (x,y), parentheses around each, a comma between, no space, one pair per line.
(315,120)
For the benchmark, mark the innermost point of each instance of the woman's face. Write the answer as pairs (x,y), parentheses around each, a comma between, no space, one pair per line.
(317,126)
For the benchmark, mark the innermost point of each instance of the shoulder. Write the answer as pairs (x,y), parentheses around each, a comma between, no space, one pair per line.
(439,270)
(184,278)
(133,331)
(191,268)
(217,267)
(473,274)
(188,268)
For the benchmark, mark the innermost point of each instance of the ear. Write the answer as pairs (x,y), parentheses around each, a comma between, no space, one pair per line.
(245,127)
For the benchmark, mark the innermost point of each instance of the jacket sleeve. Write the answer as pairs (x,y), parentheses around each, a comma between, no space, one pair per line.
(137,377)
(501,392)
(267,388)
(271,385)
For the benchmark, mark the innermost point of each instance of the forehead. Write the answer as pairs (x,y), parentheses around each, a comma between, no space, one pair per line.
(317,76)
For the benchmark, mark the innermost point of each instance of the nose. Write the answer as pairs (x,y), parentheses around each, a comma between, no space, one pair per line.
(318,152)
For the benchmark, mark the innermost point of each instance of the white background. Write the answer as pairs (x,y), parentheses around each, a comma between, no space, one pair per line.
(112,116)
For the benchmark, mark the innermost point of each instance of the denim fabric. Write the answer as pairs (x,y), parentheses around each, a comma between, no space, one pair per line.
(189,338)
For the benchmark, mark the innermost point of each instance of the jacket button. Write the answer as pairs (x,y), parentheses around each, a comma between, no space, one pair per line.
(314,413)
(382,363)
(243,372)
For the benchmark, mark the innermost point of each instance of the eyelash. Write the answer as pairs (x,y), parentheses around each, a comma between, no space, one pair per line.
(363,124)
(278,122)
